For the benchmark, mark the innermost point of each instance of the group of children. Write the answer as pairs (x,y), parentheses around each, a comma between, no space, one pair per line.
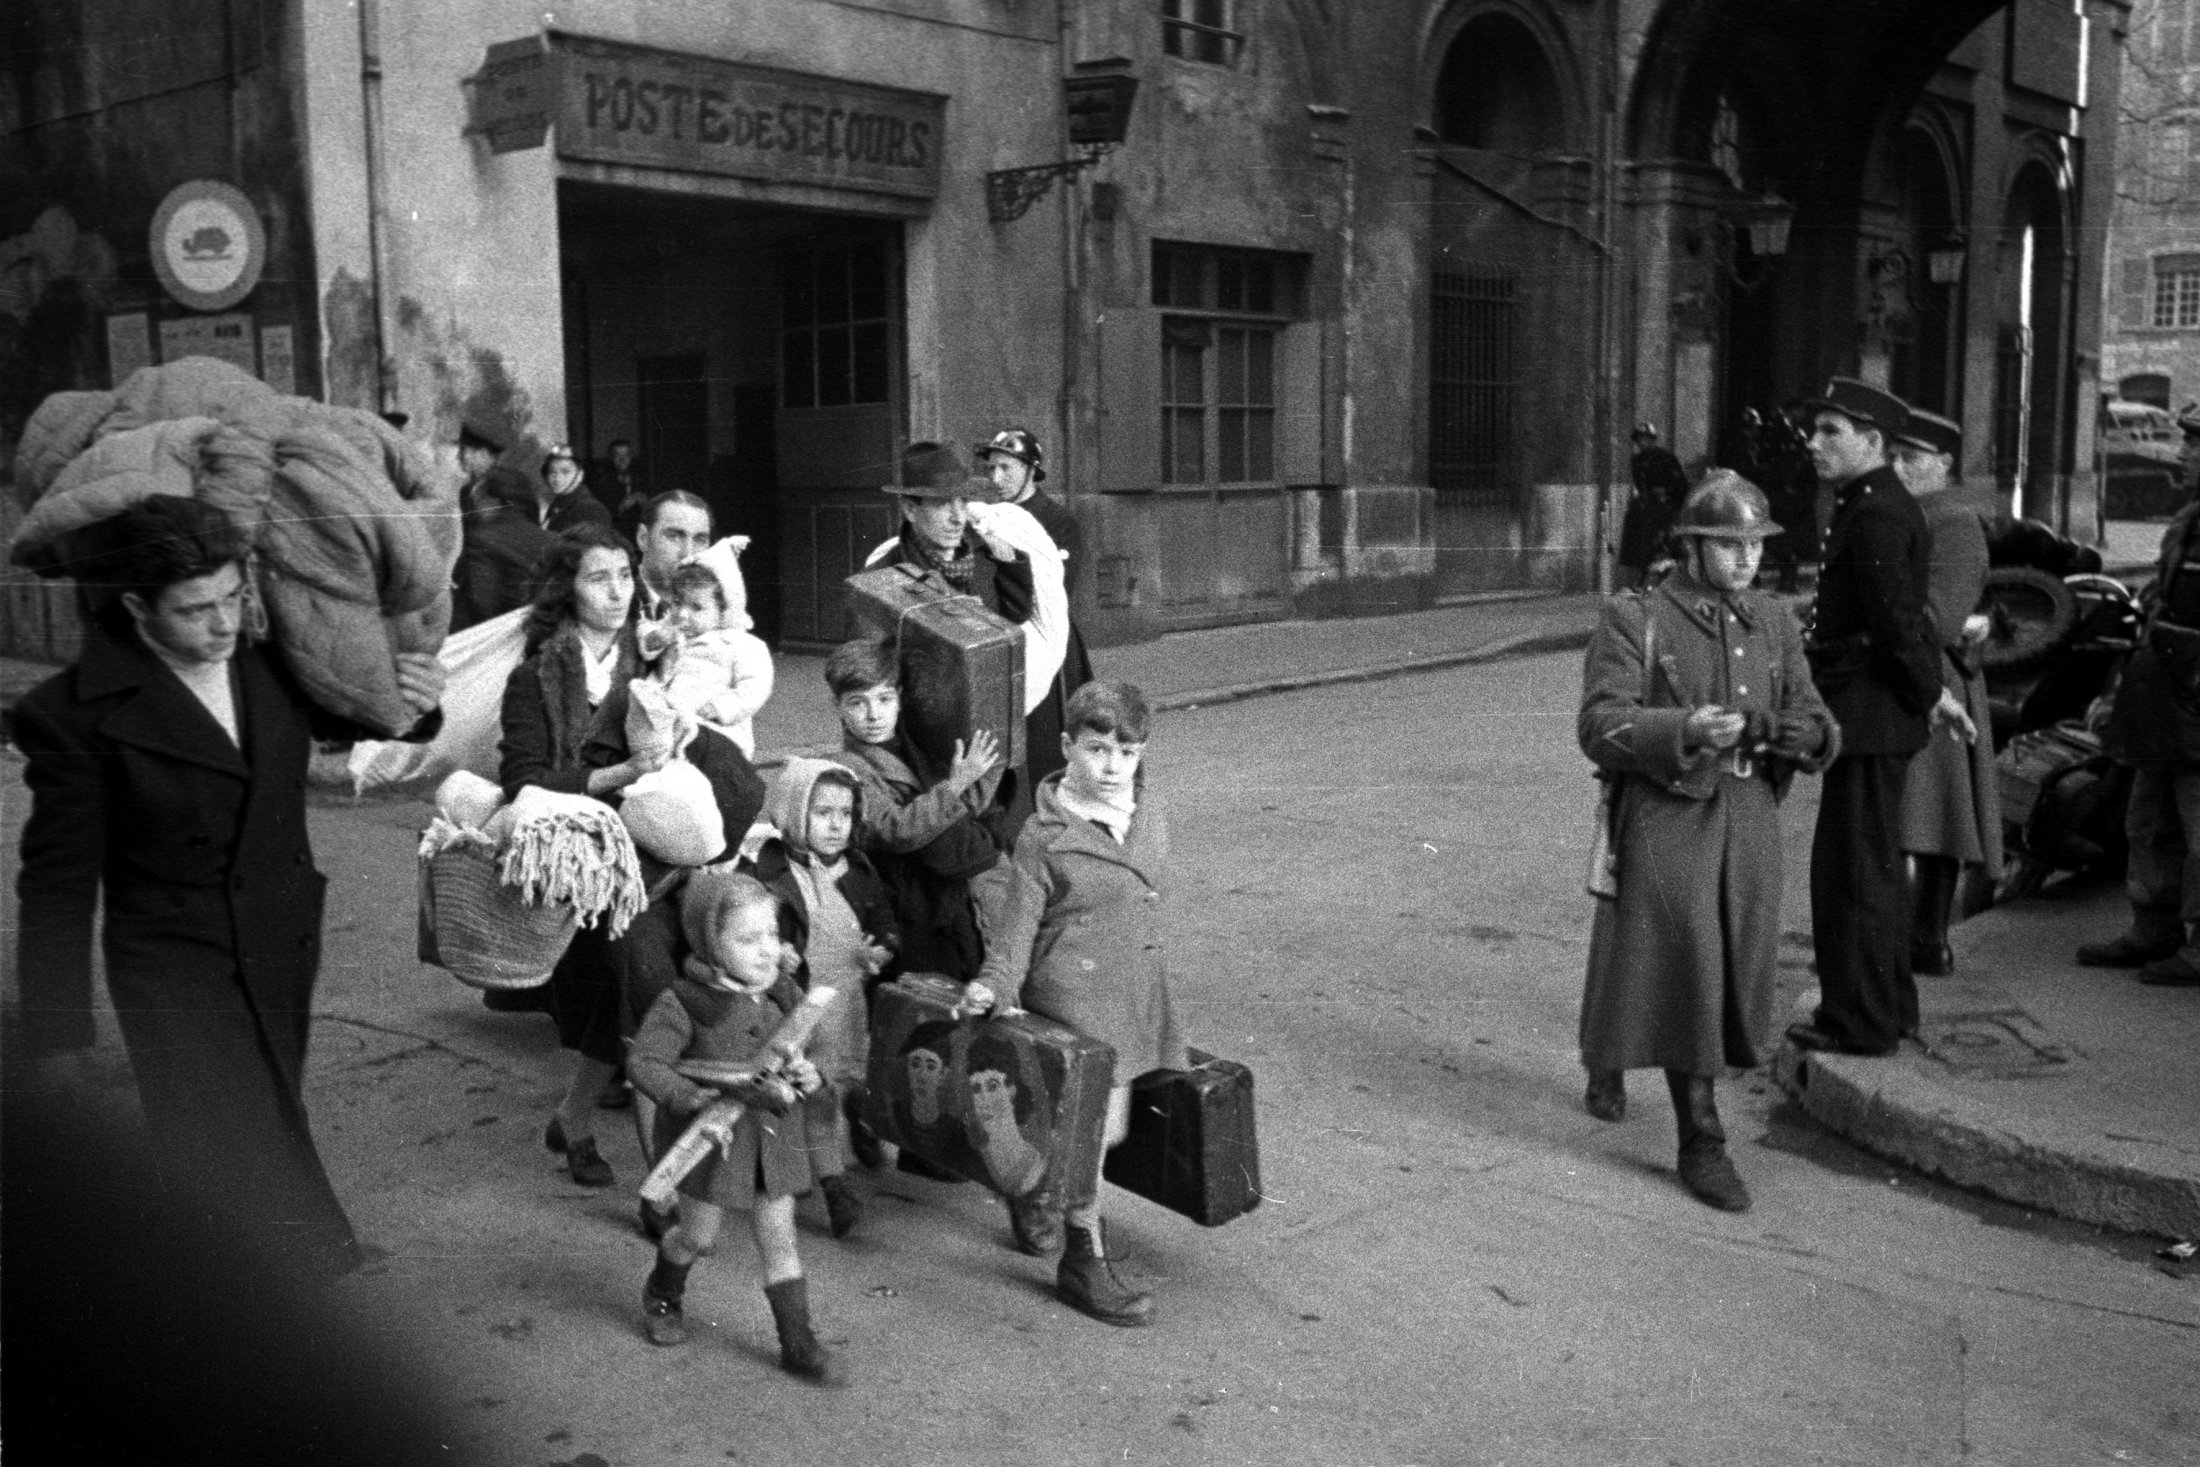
(882,863)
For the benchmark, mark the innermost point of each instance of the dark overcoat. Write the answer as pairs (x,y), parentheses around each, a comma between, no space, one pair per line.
(1875,652)
(500,566)
(1681,961)
(2155,719)
(212,930)
(1950,806)
(1081,938)
(695,1021)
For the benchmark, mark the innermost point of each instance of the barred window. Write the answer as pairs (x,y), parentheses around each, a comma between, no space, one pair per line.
(1202,30)
(2177,291)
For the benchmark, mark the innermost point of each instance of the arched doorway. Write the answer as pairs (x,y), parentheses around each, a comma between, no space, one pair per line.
(1926,350)
(2032,416)
(1510,349)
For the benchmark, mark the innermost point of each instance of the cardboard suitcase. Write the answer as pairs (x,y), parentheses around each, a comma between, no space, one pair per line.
(962,665)
(1191,1145)
(1010,1102)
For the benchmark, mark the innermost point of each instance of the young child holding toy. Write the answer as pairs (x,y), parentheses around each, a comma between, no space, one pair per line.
(725,1007)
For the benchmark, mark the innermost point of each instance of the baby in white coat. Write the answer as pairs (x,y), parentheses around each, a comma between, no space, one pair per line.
(714,669)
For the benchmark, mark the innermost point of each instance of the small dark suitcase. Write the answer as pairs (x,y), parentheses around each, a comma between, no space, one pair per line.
(2033,761)
(962,666)
(1192,1146)
(1010,1102)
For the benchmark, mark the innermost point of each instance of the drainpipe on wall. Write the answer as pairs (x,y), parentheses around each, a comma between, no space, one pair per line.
(370,89)
(1073,314)
(1606,417)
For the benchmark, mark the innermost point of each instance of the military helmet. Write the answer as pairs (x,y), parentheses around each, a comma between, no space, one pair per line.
(1726,506)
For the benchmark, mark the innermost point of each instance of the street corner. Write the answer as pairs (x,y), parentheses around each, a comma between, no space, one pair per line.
(1904,1107)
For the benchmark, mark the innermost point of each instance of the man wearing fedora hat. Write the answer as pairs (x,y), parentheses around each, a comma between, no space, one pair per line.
(1876,658)
(952,528)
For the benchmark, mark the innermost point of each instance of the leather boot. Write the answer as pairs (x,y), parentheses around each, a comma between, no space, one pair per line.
(1086,1282)
(1933,882)
(800,1353)
(1607,1095)
(662,1319)
(1705,1169)
(843,1204)
(1036,1218)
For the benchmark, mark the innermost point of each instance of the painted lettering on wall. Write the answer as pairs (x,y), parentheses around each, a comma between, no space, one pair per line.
(628,104)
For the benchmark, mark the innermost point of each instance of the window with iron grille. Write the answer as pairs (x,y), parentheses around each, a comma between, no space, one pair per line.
(2177,291)
(834,342)
(1227,310)
(1202,30)
(1473,383)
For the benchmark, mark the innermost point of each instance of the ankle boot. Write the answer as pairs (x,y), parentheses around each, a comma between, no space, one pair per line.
(1086,1282)
(1607,1095)
(1933,882)
(843,1204)
(1704,1167)
(1036,1218)
(662,1318)
(800,1353)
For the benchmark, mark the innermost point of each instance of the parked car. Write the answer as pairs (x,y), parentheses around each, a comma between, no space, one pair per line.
(2145,471)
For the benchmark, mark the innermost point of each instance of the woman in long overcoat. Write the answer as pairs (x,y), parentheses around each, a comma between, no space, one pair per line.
(1702,742)
(1951,810)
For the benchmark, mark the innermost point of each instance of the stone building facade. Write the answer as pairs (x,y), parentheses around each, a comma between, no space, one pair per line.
(2151,348)
(1355,317)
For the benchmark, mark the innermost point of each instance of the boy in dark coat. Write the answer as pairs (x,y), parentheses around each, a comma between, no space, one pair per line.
(167,775)
(835,914)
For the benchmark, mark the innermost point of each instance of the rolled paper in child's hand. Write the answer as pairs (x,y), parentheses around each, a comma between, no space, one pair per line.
(710,1131)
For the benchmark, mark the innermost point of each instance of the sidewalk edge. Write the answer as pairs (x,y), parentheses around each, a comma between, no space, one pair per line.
(1891,1111)
(1525,644)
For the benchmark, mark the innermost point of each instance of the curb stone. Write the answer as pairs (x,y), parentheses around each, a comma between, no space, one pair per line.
(1885,1107)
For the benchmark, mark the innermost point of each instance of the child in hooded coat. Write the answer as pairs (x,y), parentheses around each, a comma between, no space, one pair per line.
(727,1003)
(837,915)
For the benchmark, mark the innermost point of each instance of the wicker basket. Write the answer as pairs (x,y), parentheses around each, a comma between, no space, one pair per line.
(476,928)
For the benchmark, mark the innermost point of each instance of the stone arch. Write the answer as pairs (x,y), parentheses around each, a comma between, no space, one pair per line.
(1501,75)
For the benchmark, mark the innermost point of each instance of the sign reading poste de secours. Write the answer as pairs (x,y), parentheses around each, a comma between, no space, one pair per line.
(618,103)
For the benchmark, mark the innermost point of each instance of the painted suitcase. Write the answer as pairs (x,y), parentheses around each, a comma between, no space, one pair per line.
(1191,1145)
(962,666)
(1004,1101)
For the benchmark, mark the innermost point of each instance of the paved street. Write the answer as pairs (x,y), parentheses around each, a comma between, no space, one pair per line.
(1379,910)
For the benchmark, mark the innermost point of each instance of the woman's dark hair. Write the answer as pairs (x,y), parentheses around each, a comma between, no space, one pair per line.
(936,1035)
(989,1052)
(864,663)
(154,544)
(1116,709)
(559,568)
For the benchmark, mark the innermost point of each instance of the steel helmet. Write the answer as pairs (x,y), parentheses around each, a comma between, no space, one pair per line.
(1726,506)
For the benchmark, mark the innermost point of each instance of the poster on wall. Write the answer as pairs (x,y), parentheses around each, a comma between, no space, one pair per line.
(129,345)
(278,369)
(228,338)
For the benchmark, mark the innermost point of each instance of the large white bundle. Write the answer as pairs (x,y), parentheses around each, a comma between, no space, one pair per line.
(477,663)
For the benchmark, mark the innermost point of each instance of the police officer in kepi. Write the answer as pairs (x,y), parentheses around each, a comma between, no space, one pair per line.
(1876,658)
(2154,727)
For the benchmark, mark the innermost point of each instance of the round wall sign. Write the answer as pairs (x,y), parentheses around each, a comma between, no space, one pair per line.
(208,246)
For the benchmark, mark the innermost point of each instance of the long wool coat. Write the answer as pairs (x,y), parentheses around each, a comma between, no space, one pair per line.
(698,1022)
(212,930)
(1950,804)
(1681,962)
(1081,939)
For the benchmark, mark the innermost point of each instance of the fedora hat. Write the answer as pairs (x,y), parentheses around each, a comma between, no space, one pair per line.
(1860,402)
(472,433)
(1931,432)
(937,471)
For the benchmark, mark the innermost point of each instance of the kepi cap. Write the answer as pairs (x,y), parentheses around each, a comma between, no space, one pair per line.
(2189,420)
(1016,443)
(1862,403)
(1931,432)
(937,471)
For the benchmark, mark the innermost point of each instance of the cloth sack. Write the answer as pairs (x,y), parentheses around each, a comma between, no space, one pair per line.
(672,813)
(477,663)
